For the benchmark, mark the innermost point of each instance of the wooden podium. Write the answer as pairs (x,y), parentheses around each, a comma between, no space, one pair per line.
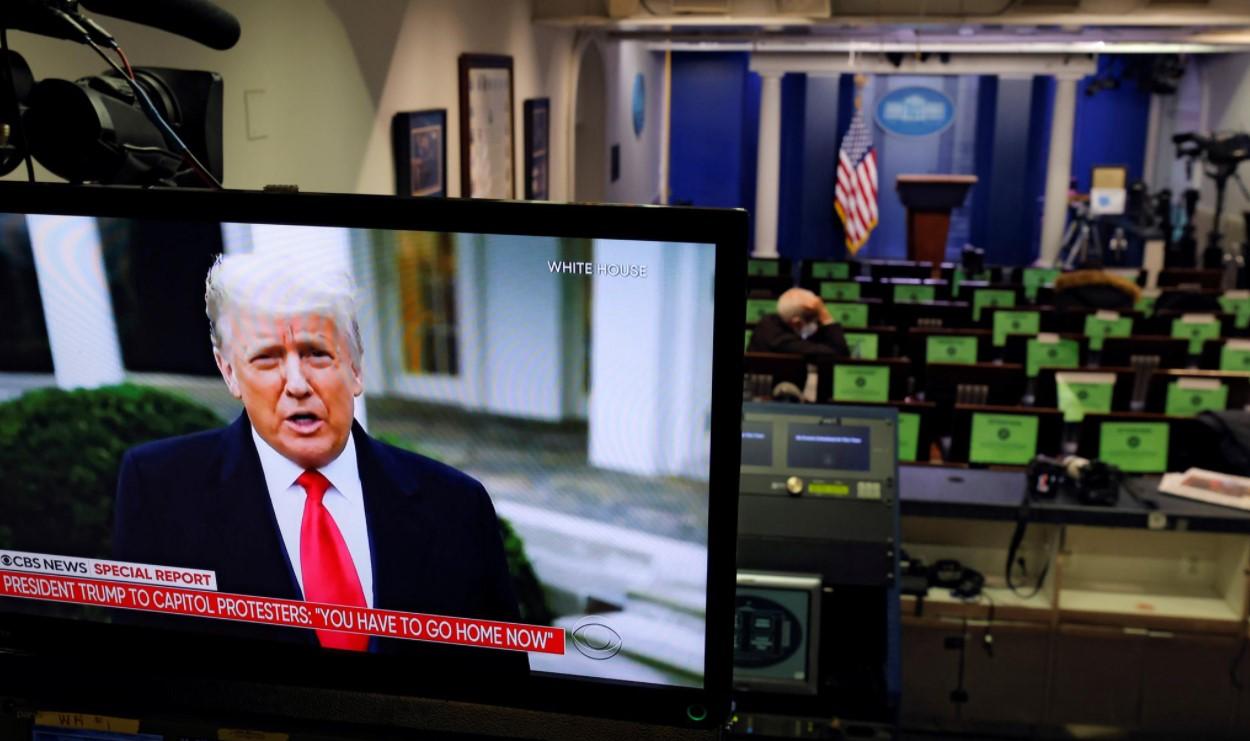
(929,200)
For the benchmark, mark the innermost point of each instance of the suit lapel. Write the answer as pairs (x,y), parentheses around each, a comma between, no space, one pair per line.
(253,558)
(392,512)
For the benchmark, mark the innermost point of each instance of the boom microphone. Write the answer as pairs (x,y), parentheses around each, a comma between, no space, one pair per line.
(198,20)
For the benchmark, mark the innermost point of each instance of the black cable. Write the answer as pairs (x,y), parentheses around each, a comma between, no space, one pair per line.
(19,125)
(141,95)
(1236,663)
(149,107)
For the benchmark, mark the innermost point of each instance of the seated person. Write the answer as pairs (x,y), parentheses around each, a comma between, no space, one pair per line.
(1095,288)
(801,326)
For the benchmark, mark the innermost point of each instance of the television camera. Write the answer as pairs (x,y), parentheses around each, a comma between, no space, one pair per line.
(128,126)
(1222,153)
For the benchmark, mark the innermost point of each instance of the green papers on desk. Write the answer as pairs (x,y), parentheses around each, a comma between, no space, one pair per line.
(1235,355)
(1146,302)
(1189,396)
(747,343)
(1084,393)
(908,436)
(959,277)
(987,297)
(1050,352)
(1104,324)
(1237,303)
(758,307)
(862,344)
(763,268)
(840,290)
(1035,278)
(1009,439)
(1197,328)
(910,293)
(861,382)
(1014,322)
(849,315)
(1135,447)
(831,270)
(950,349)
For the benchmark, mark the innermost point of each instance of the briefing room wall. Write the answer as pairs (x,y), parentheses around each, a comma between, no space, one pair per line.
(638,177)
(1110,125)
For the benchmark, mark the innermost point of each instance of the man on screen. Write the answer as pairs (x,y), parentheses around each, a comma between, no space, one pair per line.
(802,326)
(294,500)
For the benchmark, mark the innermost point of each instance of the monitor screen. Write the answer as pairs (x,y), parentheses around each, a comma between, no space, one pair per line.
(485,450)
(839,447)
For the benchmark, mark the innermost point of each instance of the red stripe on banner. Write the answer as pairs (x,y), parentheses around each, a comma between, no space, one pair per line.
(284,612)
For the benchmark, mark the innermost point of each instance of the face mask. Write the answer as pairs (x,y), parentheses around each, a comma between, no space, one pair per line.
(809,329)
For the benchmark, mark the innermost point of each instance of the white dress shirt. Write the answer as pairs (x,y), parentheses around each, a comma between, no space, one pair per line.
(344,499)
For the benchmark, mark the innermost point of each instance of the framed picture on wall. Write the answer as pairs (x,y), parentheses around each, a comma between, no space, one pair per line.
(487,130)
(537,114)
(419,143)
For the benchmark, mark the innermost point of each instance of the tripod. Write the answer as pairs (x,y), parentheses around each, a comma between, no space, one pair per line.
(1082,240)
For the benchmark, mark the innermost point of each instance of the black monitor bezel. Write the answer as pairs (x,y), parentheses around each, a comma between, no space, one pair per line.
(64,640)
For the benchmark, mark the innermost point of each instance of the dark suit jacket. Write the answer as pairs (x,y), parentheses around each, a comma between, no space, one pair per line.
(200,501)
(772,334)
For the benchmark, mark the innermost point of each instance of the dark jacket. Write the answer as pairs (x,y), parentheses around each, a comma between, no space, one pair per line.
(772,334)
(200,501)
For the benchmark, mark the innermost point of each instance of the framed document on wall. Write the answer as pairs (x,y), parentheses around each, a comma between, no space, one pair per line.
(486,127)
(537,114)
(419,142)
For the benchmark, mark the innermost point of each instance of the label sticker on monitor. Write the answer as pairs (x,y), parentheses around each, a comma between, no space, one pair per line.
(950,349)
(1235,355)
(839,291)
(831,270)
(1035,278)
(1135,447)
(1189,396)
(849,315)
(1009,439)
(1061,354)
(1014,322)
(1197,328)
(861,383)
(863,345)
(1237,303)
(764,268)
(908,292)
(990,297)
(757,308)
(1079,394)
(908,436)
(1102,325)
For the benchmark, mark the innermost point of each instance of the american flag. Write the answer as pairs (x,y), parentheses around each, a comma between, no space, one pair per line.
(855,197)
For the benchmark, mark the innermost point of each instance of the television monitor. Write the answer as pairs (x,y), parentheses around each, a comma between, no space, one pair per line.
(457,449)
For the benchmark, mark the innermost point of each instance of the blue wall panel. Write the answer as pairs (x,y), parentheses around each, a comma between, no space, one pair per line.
(1110,126)
(709,138)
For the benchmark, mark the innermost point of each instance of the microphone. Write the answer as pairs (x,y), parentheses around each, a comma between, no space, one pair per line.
(198,20)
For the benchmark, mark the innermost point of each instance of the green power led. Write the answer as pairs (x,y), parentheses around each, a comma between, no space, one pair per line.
(834,490)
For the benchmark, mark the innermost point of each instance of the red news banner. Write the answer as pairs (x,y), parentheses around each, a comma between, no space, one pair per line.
(57,587)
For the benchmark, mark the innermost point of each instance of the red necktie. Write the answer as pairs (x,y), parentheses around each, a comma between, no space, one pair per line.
(329,572)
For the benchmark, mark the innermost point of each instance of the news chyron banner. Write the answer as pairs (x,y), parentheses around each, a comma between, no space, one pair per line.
(192,592)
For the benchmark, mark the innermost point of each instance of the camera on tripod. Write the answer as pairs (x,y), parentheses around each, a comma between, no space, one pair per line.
(129,125)
(1222,153)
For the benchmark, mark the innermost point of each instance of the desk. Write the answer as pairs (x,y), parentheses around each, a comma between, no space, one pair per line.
(1124,611)
(982,494)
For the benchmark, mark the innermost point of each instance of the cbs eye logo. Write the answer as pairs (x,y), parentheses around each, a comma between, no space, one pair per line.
(596,640)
